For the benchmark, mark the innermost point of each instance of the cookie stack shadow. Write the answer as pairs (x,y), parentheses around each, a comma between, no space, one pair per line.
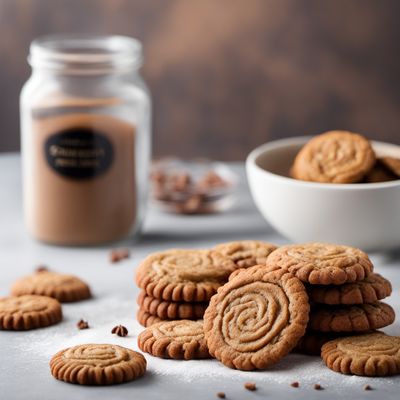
(344,310)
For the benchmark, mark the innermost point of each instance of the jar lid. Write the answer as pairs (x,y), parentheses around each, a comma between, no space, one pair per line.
(87,54)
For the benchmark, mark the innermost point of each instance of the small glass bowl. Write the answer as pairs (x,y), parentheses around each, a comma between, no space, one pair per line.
(198,186)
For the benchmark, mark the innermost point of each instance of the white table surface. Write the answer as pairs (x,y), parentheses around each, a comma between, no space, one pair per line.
(24,356)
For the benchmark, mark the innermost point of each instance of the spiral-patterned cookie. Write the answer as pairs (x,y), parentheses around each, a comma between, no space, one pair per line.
(64,288)
(373,288)
(356,318)
(334,157)
(171,309)
(29,312)
(256,318)
(184,275)
(179,340)
(374,354)
(322,263)
(97,364)
(246,253)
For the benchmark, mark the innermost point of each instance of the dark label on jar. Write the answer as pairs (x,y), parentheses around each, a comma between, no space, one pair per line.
(79,153)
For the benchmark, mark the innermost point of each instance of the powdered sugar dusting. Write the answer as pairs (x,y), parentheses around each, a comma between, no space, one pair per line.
(121,310)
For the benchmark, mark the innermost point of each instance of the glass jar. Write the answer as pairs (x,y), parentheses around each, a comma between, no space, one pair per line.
(85,133)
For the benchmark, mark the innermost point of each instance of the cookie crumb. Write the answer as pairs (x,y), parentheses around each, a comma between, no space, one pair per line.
(367,387)
(118,255)
(295,384)
(221,395)
(318,387)
(250,386)
(120,330)
(41,268)
(82,324)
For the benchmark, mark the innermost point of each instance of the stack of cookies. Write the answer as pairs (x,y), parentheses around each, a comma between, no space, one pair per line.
(178,284)
(343,290)
(311,296)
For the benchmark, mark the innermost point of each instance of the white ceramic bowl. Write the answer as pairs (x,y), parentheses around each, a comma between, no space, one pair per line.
(365,215)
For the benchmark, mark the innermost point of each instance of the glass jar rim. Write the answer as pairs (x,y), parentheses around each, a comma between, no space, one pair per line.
(77,53)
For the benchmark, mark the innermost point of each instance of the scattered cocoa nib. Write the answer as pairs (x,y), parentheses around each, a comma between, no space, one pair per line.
(120,330)
(295,384)
(250,386)
(221,395)
(82,324)
(41,268)
(367,387)
(119,255)
(318,387)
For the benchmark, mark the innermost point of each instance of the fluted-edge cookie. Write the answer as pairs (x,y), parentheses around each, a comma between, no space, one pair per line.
(375,354)
(334,157)
(28,312)
(322,263)
(356,318)
(146,319)
(179,340)
(171,309)
(184,275)
(246,253)
(256,318)
(64,288)
(97,364)
(373,288)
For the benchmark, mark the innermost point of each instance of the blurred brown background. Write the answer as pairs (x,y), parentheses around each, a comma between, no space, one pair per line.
(227,75)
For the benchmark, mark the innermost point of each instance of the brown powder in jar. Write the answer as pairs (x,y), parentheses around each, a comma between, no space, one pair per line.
(63,209)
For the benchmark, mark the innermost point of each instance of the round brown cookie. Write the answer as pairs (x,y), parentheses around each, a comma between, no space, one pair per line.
(322,263)
(180,340)
(256,318)
(146,319)
(334,157)
(374,354)
(246,253)
(392,164)
(170,309)
(97,364)
(184,275)
(373,288)
(28,312)
(379,173)
(64,288)
(358,318)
